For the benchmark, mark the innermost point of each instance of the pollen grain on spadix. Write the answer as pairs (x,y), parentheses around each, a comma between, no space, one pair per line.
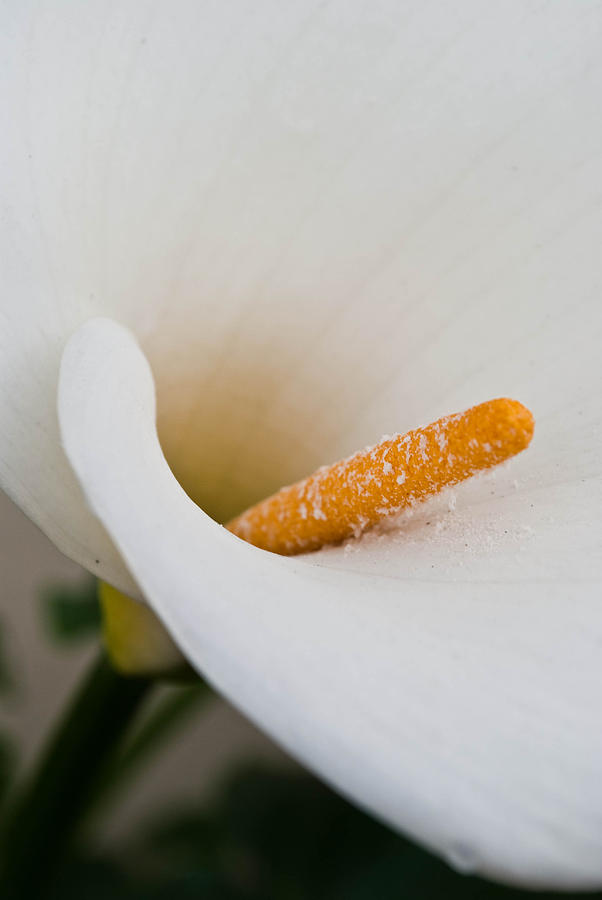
(343,500)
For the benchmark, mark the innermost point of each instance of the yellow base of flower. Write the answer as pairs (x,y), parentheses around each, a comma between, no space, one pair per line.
(136,641)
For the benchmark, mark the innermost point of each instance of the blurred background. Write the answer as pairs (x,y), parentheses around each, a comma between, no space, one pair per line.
(200,804)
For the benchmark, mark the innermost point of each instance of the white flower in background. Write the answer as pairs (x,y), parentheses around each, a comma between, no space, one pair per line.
(323,222)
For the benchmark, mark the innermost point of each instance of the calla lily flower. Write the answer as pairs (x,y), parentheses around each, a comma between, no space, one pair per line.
(240,240)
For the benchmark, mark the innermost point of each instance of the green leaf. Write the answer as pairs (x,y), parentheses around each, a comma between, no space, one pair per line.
(272,836)
(51,805)
(72,613)
(285,836)
(163,722)
(7,765)
(6,678)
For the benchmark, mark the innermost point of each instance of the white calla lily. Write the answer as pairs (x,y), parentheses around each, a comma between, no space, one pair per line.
(322,223)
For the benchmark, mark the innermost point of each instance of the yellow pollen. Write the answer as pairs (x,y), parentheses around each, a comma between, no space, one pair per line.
(343,500)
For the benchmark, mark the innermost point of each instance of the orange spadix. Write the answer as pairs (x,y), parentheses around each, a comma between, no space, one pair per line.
(343,500)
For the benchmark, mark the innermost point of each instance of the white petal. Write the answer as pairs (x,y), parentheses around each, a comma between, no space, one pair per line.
(324,221)
(465,714)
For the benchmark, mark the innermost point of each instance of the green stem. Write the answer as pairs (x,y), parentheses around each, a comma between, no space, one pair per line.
(45,817)
(171,713)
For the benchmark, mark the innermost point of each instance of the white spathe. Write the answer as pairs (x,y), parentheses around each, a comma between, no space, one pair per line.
(324,222)
(463,712)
